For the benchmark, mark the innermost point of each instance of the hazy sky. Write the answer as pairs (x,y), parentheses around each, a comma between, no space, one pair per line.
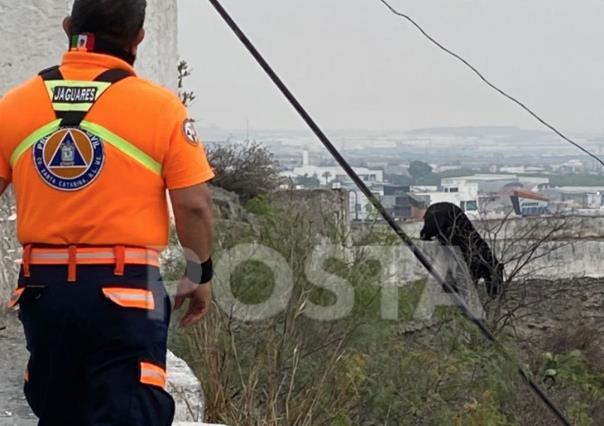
(356,66)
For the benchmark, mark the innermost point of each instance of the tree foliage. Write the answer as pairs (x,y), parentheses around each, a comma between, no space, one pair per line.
(247,169)
(184,71)
(419,170)
(308,181)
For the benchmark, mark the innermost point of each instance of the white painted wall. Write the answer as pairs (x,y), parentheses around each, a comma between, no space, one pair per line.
(158,57)
(31,39)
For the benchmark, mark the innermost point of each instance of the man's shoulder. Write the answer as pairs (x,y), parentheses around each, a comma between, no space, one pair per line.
(21,92)
(153,92)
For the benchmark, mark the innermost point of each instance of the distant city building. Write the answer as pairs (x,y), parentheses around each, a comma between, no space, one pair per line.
(493,183)
(570,167)
(424,188)
(576,197)
(495,195)
(488,195)
(466,202)
(401,169)
(361,208)
(529,203)
(436,168)
(329,174)
(397,201)
(522,169)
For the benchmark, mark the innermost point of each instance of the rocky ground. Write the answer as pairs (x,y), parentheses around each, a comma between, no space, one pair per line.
(13,357)
(542,306)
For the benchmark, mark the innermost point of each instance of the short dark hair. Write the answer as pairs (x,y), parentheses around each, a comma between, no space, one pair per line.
(115,22)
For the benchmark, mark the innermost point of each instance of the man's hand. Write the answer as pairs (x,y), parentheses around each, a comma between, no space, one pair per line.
(200,299)
(194,216)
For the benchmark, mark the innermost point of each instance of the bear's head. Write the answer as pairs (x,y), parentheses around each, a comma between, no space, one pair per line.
(441,221)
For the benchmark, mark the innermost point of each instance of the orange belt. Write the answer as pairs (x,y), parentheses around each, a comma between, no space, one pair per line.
(74,255)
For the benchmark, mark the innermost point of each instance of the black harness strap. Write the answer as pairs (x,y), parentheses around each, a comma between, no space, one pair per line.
(71,118)
(74,118)
(52,73)
(113,76)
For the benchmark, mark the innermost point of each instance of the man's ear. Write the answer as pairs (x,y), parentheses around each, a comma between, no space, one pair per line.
(138,40)
(67,26)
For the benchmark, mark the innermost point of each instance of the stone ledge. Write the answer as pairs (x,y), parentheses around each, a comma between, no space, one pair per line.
(186,391)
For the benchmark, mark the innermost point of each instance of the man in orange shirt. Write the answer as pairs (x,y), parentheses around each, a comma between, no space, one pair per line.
(90,150)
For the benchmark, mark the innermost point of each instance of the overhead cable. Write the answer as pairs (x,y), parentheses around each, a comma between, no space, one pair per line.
(489,83)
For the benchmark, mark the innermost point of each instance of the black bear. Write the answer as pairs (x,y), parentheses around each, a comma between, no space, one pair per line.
(449,224)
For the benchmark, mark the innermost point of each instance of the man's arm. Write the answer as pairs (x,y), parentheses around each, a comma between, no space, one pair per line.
(3,185)
(194,216)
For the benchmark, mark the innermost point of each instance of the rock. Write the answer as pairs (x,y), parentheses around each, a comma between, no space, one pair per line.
(13,358)
(186,391)
(227,205)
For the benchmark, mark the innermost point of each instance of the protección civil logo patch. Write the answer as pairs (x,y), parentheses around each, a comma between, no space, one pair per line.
(189,131)
(69,159)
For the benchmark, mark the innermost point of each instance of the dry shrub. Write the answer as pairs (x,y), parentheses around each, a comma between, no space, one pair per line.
(267,375)
(285,370)
(249,170)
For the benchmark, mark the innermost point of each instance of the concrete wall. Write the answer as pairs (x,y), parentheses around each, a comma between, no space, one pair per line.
(577,249)
(32,39)
(583,258)
(158,57)
(572,227)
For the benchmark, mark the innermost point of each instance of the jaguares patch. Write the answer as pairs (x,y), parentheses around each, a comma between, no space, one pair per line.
(188,129)
(69,159)
(74,95)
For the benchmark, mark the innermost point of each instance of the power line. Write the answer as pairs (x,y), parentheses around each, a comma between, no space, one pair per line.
(421,257)
(488,83)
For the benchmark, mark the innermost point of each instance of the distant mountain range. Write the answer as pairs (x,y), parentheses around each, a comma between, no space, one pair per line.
(478,131)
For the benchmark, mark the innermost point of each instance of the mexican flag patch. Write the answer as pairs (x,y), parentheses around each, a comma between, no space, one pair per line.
(83,42)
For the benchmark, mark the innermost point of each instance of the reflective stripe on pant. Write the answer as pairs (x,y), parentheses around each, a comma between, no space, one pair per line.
(98,346)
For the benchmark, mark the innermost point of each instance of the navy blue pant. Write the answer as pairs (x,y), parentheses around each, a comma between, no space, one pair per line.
(86,350)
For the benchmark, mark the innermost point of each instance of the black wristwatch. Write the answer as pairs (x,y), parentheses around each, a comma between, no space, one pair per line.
(200,273)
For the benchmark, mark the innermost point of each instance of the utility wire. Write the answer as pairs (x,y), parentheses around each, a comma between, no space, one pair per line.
(421,257)
(488,83)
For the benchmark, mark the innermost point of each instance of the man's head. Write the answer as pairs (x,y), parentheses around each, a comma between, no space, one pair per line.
(115,23)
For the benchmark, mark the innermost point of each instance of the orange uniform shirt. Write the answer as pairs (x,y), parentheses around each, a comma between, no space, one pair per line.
(125,203)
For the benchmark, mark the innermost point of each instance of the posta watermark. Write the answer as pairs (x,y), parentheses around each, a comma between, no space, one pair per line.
(398,268)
